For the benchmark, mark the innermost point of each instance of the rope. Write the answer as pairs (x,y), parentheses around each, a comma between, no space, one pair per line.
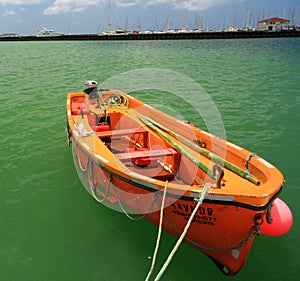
(93,189)
(159,232)
(169,259)
(80,165)
(124,210)
(94,194)
(247,163)
(118,100)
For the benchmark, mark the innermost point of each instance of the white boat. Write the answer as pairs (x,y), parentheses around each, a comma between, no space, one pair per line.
(44,32)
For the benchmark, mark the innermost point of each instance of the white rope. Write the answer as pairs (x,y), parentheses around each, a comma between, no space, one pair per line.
(127,213)
(80,165)
(94,192)
(159,232)
(169,259)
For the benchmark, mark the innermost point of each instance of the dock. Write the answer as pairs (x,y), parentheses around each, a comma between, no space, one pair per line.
(157,36)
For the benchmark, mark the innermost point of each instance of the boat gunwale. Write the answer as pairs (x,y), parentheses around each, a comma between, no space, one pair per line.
(264,196)
(146,186)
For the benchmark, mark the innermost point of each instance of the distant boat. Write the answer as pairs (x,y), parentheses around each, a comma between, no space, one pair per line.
(10,35)
(119,31)
(44,32)
(129,154)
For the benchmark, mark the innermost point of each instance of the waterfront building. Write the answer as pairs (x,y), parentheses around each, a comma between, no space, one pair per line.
(273,24)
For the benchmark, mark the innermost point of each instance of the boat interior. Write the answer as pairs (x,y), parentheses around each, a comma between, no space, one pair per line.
(136,147)
(140,149)
(143,149)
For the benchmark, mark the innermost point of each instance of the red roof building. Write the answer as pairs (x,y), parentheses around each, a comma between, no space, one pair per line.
(273,24)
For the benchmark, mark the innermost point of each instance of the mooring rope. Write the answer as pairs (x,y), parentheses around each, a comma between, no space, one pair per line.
(159,232)
(178,243)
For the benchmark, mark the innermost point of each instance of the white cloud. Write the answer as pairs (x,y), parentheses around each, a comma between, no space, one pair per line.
(9,13)
(128,3)
(67,6)
(191,5)
(21,2)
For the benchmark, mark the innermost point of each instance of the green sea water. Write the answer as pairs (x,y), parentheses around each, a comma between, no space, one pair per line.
(50,227)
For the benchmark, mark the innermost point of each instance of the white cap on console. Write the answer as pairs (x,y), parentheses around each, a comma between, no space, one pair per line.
(90,84)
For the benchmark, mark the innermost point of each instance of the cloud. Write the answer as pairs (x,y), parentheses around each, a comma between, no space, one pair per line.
(128,3)
(21,2)
(67,6)
(191,5)
(9,13)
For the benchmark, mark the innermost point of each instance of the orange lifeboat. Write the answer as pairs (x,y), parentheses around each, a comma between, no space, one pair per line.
(140,160)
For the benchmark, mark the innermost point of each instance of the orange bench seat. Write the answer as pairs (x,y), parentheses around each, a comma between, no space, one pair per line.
(146,153)
(122,132)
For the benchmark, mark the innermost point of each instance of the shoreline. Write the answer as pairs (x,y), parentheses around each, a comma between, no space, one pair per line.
(157,36)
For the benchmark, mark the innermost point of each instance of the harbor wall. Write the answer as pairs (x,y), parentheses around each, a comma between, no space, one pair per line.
(158,36)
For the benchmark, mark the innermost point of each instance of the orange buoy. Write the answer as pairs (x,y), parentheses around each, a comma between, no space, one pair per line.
(282,219)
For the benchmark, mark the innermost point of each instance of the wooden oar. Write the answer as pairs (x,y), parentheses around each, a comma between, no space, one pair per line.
(176,145)
(205,152)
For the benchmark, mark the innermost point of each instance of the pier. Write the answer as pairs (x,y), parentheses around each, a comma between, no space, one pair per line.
(157,36)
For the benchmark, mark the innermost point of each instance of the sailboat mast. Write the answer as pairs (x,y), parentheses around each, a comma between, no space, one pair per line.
(108,18)
(155,26)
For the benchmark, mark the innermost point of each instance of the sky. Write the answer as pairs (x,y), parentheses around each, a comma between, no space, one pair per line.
(92,16)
